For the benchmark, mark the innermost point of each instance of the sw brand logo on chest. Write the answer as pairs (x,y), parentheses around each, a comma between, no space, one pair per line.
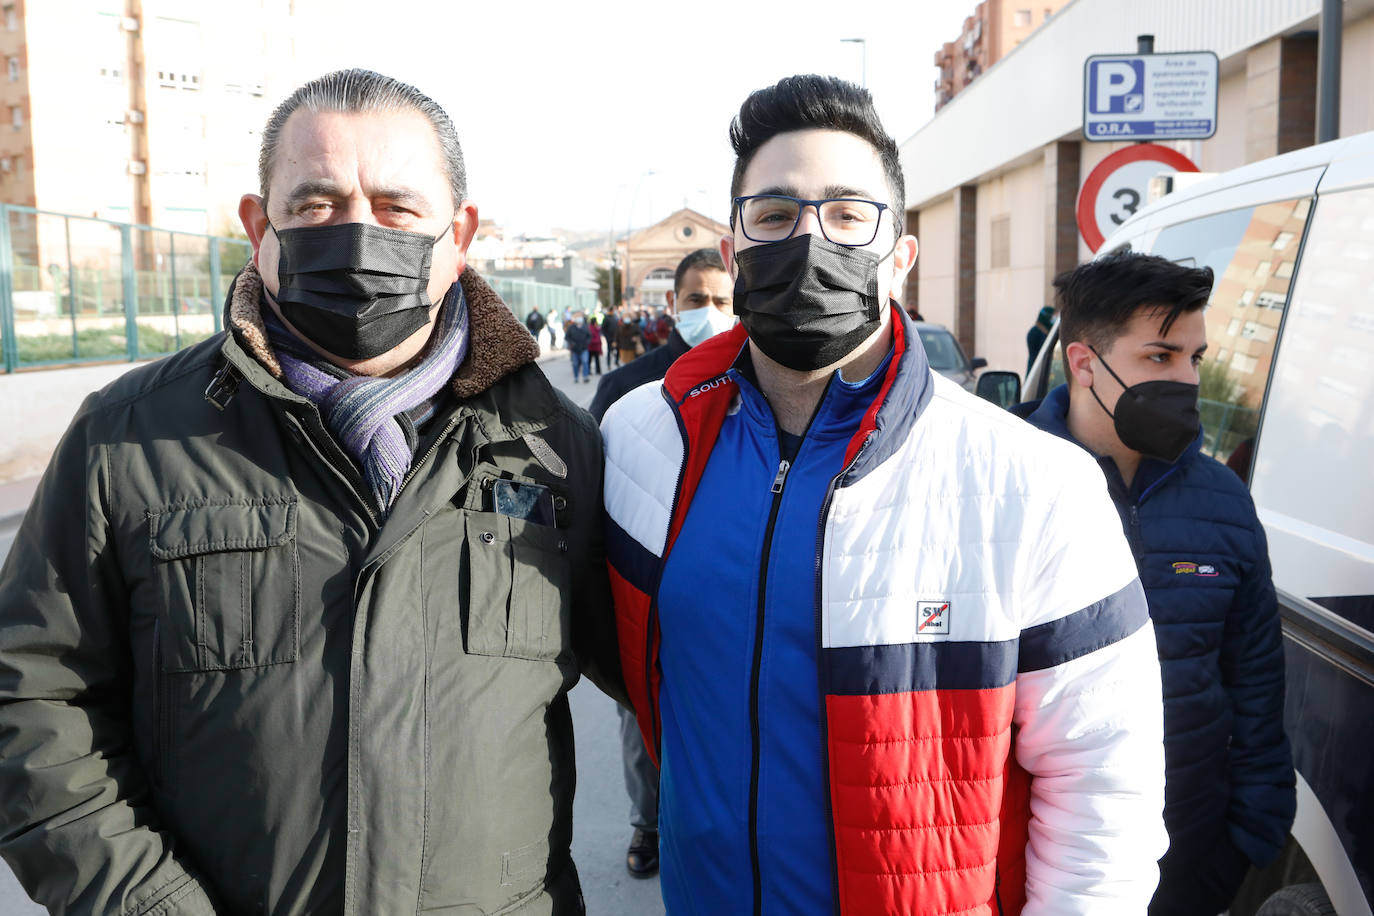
(932,618)
(1185,568)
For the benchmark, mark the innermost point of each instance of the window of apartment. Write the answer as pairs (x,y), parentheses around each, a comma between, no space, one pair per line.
(6,164)
(13,65)
(17,116)
(1023,18)
(11,17)
(1000,235)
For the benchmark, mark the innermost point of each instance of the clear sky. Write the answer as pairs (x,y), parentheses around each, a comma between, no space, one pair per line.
(562,108)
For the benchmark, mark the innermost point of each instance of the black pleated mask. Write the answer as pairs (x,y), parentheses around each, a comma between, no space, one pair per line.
(807,302)
(355,289)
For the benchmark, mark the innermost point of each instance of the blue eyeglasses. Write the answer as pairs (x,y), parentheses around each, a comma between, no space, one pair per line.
(849,221)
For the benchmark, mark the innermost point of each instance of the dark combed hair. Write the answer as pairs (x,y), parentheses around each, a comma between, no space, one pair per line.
(812,102)
(701,259)
(1097,300)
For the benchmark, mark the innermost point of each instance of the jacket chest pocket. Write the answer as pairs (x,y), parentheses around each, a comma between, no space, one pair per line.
(518,582)
(229,575)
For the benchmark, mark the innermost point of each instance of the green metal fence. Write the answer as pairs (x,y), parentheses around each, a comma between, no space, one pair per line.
(525,295)
(77,289)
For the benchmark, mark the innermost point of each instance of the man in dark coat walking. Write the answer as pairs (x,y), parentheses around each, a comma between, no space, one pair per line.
(1133,336)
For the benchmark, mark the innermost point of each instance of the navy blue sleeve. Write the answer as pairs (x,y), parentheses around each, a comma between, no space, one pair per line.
(1263,800)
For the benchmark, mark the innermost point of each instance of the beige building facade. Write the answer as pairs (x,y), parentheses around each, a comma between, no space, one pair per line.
(993,179)
(650,256)
(142,111)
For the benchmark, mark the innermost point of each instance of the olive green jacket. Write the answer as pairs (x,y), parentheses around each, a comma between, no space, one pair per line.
(227,687)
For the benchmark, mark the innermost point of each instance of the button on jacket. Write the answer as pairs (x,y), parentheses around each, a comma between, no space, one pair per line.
(227,686)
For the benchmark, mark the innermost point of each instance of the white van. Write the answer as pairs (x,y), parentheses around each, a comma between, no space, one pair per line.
(1288,402)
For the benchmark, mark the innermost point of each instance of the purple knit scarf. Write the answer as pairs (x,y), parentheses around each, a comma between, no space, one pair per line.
(362,411)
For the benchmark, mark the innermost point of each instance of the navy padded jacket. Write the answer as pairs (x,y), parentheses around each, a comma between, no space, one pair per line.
(1204,562)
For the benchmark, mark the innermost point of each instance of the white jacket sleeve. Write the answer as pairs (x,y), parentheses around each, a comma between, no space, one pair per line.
(1089,713)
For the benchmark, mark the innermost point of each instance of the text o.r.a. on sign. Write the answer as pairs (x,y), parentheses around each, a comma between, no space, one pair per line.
(1150,96)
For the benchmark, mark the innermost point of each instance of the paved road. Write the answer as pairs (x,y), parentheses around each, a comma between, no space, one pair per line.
(601,811)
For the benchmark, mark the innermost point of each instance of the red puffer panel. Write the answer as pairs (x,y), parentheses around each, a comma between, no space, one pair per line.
(918,777)
(631,622)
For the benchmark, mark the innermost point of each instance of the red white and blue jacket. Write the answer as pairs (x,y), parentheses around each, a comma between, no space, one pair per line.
(989,716)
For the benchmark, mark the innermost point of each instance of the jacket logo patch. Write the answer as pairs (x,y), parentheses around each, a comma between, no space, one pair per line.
(933,617)
(707,386)
(1185,568)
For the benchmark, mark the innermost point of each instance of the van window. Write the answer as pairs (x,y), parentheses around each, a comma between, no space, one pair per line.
(1245,249)
(1313,462)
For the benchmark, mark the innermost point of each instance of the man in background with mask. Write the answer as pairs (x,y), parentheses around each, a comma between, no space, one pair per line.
(1133,338)
(867,620)
(702,295)
(308,644)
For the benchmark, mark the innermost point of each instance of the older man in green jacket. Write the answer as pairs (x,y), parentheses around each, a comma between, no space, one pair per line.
(290,625)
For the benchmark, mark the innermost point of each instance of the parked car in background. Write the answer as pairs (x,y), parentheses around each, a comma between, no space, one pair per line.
(1287,401)
(946,356)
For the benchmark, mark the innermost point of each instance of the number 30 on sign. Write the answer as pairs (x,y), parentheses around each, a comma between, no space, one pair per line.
(1117,188)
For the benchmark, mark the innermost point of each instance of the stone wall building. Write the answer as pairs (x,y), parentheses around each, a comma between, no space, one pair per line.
(993,179)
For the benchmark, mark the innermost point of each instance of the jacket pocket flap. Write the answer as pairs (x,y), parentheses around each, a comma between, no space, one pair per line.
(212,526)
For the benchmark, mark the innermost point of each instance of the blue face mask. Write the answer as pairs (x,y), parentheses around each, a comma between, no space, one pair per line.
(703,323)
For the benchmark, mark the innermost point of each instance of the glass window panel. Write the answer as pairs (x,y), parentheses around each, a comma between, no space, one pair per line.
(1235,244)
(1312,464)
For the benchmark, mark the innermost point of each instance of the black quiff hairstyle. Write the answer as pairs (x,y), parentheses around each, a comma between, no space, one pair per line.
(701,259)
(811,102)
(1097,300)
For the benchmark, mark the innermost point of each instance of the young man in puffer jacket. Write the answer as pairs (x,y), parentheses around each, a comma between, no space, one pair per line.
(1133,337)
(886,641)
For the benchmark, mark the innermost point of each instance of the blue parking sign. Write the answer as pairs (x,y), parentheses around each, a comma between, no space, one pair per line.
(1144,97)
(1116,86)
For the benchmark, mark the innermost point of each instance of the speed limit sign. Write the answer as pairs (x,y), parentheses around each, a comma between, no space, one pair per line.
(1117,188)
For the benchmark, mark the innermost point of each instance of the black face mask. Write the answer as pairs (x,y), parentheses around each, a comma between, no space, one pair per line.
(1158,418)
(355,289)
(807,302)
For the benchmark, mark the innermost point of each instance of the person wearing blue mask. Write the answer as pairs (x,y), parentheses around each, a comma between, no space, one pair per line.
(703,296)
(869,622)
(1133,338)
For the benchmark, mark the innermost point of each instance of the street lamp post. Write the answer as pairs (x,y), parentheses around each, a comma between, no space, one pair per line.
(862,43)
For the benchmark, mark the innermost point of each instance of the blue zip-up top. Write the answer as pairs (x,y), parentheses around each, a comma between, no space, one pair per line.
(743,795)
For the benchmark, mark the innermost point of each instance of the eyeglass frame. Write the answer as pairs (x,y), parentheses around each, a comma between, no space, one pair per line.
(802,204)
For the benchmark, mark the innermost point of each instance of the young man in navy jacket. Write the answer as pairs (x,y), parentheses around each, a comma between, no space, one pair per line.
(1133,337)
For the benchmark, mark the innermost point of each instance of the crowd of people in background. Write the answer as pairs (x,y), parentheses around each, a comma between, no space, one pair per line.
(620,334)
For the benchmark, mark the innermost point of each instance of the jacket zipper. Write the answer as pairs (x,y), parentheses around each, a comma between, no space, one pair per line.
(348,475)
(415,465)
(1137,547)
(779,481)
